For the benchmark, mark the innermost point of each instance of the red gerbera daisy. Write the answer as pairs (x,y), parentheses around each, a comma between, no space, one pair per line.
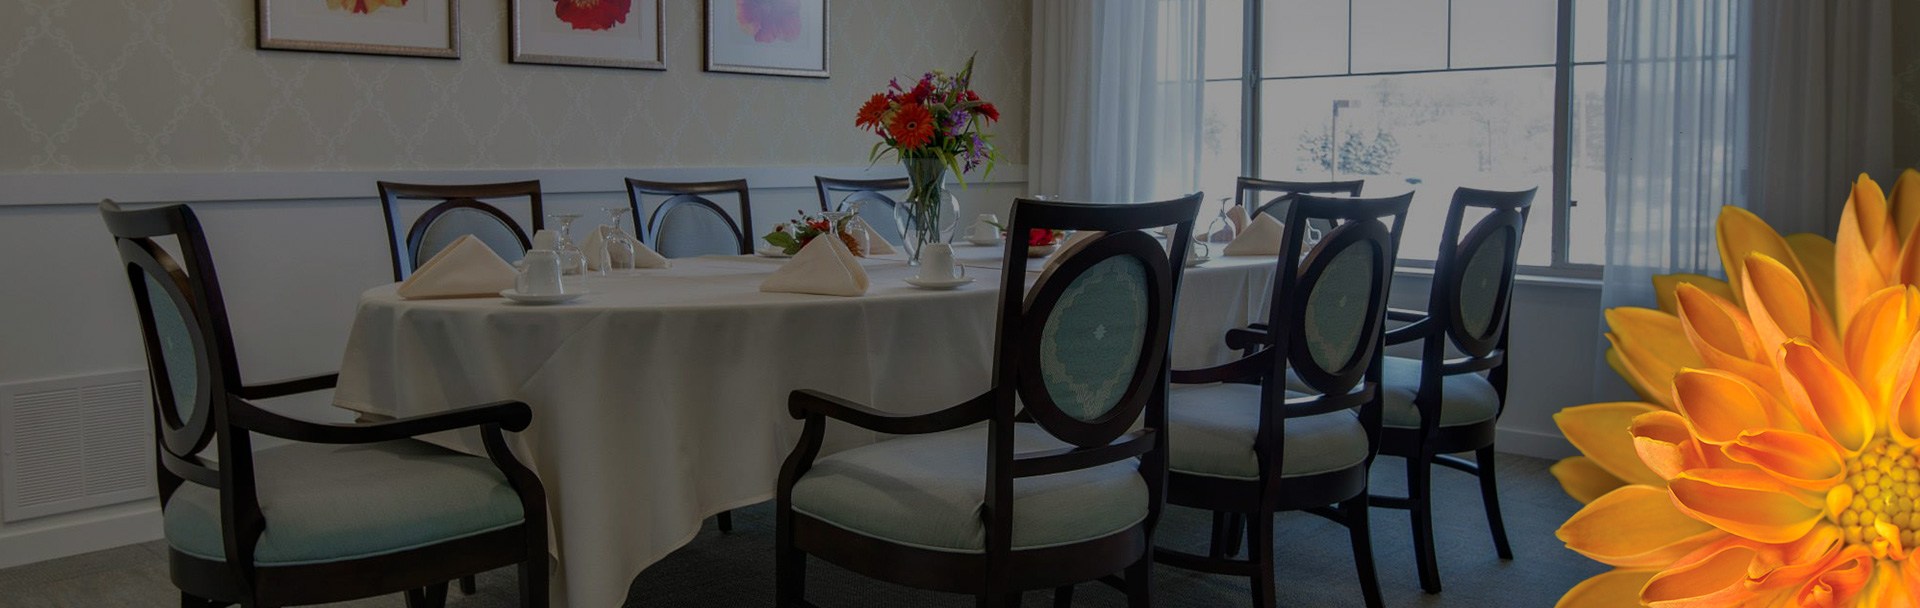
(592,14)
(987,110)
(912,126)
(872,111)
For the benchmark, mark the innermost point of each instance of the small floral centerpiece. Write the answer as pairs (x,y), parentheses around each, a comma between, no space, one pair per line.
(935,126)
(1774,456)
(796,233)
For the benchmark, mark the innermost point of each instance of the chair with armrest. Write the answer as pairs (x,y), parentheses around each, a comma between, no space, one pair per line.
(1245,447)
(344,511)
(462,210)
(689,223)
(1049,478)
(871,195)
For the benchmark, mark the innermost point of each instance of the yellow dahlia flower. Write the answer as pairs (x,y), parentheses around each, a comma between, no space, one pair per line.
(1775,459)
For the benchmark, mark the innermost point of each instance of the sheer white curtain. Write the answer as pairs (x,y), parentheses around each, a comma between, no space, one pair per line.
(1116,99)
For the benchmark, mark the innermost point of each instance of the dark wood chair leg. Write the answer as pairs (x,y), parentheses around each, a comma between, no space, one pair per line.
(533,577)
(725,521)
(1140,582)
(1063,597)
(1420,510)
(468,586)
(1490,494)
(433,596)
(1260,553)
(1228,528)
(1359,529)
(789,567)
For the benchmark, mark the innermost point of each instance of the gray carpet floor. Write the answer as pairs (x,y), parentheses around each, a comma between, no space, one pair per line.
(736,569)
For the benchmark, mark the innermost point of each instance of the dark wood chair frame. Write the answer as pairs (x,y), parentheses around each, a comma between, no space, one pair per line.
(999,575)
(1440,325)
(1272,349)
(1246,191)
(694,193)
(864,191)
(406,246)
(224,417)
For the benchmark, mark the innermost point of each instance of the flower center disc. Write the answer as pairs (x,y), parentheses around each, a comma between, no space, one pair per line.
(1886,484)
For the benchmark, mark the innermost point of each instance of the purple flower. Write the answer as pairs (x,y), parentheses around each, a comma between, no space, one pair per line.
(956,123)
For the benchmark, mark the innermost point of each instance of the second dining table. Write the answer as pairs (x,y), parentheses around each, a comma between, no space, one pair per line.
(659,398)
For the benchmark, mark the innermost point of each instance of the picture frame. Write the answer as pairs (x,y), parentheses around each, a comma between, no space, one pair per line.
(411,28)
(612,34)
(768,37)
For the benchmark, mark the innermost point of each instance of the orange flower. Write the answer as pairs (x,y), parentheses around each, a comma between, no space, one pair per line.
(872,111)
(912,126)
(1776,459)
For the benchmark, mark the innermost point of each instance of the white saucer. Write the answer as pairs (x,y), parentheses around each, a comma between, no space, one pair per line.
(1193,261)
(1041,251)
(939,283)
(541,298)
(770,252)
(983,242)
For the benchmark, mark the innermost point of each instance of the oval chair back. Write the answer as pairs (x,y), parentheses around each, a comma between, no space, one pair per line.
(1271,196)
(689,223)
(1472,291)
(875,205)
(460,212)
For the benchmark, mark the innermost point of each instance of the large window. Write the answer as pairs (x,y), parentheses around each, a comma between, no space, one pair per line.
(1420,95)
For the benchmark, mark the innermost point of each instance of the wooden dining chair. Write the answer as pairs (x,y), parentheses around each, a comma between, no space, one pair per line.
(875,205)
(688,223)
(1439,405)
(343,511)
(1270,196)
(1050,477)
(1245,447)
(460,212)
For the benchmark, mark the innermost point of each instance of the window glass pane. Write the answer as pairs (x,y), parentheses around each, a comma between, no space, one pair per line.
(1590,30)
(1490,33)
(1219,140)
(1587,232)
(1398,35)
(1303,37)
(1224,34)
(1428,133)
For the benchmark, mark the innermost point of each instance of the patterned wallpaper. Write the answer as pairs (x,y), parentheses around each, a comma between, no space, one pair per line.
(146,86)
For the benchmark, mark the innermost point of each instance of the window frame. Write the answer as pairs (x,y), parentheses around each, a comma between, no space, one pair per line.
(1559,193)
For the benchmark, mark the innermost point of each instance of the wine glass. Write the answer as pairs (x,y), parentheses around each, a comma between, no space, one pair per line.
(836,225)
(619,252)
(1221,230)
(862,239)
(572,259)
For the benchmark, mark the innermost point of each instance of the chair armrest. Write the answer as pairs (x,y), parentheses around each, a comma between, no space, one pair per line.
(291,386)
(509,415)
(1417,330)
(1405,314)
(1249,337)
(808,404)
(1250,367)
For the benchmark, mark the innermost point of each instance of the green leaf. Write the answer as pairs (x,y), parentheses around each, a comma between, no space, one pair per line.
(784,240)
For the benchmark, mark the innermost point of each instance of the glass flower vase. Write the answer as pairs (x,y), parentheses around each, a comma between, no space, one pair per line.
(930,211)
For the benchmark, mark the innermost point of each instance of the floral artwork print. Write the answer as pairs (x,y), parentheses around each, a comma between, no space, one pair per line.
(592,14)
(363,6)
(769,20)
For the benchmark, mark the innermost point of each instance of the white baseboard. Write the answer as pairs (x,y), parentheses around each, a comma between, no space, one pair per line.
(77,533)
(1551,446)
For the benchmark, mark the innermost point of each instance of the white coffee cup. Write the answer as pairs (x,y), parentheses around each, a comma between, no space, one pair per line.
(542,274)
(984,229)
(936,263)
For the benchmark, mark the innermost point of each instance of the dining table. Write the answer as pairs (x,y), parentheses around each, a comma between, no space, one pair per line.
(659,397)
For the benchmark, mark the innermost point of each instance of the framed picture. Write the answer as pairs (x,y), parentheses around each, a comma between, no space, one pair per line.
(778,37)
(607,33)
(418,28)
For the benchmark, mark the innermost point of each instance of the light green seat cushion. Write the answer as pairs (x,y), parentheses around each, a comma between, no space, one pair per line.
(929,491)
(1464,398)
(1212,427)
(326,503)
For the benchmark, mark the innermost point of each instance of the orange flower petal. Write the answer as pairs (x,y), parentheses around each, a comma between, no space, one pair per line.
(1816,258)
(1840,582)
(1877,342)
(1826,400)
(1653,346)
(1610,589)
(1889,588)
(1716,577)
(1721,406)
(1664,286)
(1782,309)
(1906,204)
(1741,233)
(1584,480)
(1788,566)
(1635,527)
(1866,251)
(1665,444)
(1749,504)
(1721,334)
(1801,460)
(1903,421)
(1601,431)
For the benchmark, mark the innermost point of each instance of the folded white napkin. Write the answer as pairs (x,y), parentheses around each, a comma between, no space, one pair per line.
(824,267)
(876,245)
(1237,215)
(1262,237)
(643,256)
(467,268)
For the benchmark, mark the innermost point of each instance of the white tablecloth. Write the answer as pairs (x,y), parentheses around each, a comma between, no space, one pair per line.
(660,398)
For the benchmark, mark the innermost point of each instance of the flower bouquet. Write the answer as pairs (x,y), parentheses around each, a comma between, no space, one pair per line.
(796,233)
(937,125)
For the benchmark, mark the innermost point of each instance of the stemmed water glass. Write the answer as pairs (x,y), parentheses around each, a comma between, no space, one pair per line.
(619,251)
(572,259)
(1221,230)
